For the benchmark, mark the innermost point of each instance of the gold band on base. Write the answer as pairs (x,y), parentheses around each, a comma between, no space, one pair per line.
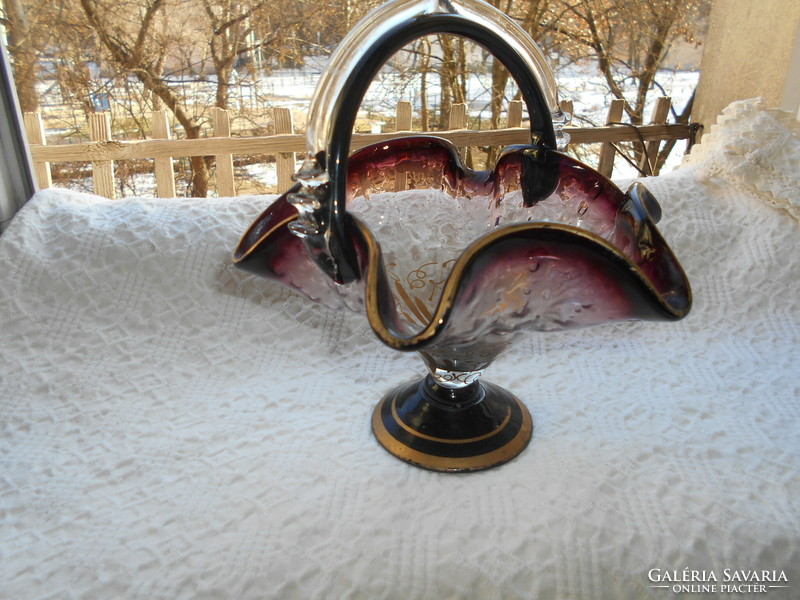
(458,455)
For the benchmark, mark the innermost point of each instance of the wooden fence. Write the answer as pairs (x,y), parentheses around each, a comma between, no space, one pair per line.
(102,150)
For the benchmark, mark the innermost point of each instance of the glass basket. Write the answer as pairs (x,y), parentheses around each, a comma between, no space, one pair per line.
(467,260)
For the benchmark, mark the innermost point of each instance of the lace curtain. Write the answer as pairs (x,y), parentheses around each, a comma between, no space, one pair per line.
(754,147)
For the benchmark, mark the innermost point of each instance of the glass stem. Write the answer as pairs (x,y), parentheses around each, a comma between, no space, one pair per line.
(452,397)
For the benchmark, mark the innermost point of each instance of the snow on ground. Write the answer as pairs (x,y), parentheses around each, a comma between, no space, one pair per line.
(293,88)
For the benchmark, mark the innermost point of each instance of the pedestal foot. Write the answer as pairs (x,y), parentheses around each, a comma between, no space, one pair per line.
(443,429)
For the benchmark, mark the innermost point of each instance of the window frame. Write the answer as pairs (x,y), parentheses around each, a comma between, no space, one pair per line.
(17,183)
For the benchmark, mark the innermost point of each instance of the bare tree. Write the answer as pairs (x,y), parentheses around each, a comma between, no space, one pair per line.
(537,19)
(232,35)
(136,49)
(24,46)
(628,38)
(169,46)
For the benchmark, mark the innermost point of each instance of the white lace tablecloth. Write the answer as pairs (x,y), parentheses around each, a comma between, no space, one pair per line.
(171,428)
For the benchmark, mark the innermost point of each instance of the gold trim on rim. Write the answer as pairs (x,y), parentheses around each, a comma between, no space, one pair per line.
(435,324)
(260,240)
(447,298)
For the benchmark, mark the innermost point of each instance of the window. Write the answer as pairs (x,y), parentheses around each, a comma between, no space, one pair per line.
(16,171)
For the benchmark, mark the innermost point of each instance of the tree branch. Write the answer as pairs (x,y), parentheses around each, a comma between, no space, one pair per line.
(144,29)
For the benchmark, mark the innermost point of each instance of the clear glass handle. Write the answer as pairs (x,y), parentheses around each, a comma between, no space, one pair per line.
(320,197)
(369,32)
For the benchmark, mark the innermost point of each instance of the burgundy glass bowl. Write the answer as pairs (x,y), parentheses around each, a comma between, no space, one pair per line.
(597,258)
(468,260)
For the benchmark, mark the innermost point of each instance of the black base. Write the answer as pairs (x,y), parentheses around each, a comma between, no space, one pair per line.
(442,429)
